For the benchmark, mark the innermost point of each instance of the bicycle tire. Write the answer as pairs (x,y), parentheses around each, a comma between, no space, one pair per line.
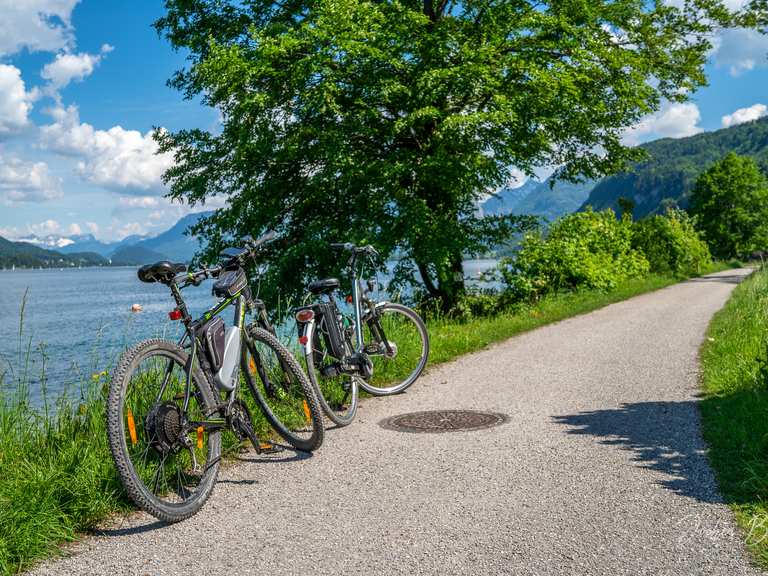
(304,393)
(412,316)
(331,409)
(117,417)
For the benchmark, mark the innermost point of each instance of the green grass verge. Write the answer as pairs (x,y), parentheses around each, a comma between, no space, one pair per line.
(734,411)
(56,474)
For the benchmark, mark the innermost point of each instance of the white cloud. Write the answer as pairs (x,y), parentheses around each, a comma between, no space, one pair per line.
(674,120)
(74,229)
(745,115)
(138,201)
(92,227)
(740,50)
(27,182)
(116,158)
(15,101)
(37,25)
(68,67)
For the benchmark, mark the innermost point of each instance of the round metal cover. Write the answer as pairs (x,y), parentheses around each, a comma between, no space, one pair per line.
(435,421)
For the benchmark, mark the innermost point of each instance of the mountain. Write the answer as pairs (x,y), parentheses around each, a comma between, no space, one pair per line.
(551,202)
(174,244)
(507,199)
(50,241)
(135,256)
(669,173)
(26,255)
(540,199)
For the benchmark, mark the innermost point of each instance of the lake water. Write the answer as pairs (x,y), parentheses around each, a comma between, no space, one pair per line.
(77,321)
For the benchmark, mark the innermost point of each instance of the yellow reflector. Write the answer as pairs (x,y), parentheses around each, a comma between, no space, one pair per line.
(266,446)
(200,437)
(132,427)
(307,414)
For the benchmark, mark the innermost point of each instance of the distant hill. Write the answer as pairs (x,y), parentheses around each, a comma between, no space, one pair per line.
(174,244)
(135,256)
(669,174)
(507,199)
(26,255)
(540,199)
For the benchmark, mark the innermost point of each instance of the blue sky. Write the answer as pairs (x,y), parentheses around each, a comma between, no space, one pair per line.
(82,82)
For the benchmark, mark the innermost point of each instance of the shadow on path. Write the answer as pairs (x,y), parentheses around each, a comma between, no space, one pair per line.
(662,436)
(724,279)
(112,532)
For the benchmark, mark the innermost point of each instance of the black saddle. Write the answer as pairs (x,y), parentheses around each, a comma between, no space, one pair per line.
(162,271)
(324,286)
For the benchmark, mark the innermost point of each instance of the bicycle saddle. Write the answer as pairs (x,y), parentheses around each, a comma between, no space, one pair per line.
(324,286)
(162,271)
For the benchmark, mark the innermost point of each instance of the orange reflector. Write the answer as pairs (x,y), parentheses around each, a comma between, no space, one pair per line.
(306,411)
(132,427)
(200,437)
(349,299)
(251,364)
(265,446)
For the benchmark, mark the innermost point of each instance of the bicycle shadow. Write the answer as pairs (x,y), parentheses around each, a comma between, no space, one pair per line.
(662,436)
(130,530)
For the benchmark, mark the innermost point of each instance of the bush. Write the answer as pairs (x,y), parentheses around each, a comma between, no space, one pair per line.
(671,244)
(582,250)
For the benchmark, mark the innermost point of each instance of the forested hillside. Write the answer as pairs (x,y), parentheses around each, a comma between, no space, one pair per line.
(667,176)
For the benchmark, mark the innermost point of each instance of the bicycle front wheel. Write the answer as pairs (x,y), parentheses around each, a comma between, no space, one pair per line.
(397,343)
(166,459)
(281,390)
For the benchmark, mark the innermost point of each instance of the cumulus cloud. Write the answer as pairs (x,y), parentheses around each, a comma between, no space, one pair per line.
(15,101)
(138,201)
(71,67)
(674,120)
(37,25)
(22,181)
(745,115)
(740,50)
(117,158)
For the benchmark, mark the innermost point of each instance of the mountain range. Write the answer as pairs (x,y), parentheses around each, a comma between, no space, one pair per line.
(664,179)
(85,250)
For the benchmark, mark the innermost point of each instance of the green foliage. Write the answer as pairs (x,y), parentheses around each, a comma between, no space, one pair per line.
(671,244)
(730,200)
(735,382)
(666,178)
(585,250)
(388,121)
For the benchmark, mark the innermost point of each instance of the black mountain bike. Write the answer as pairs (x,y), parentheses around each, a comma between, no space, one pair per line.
(169,402)
(343,353)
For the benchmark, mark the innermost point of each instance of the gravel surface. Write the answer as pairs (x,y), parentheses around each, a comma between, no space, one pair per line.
(600,469)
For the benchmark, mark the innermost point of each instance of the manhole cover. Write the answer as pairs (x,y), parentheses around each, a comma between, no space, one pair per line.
(443,421)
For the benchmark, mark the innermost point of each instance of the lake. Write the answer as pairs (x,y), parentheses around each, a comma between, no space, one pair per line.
(77,321)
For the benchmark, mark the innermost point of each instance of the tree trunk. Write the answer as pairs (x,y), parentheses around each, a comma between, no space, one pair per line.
(447,287)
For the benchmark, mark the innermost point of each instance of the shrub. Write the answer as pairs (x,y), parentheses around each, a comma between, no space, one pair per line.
(582,250)
(671,244)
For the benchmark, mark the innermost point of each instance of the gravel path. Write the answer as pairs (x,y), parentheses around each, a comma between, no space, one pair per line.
(600,470)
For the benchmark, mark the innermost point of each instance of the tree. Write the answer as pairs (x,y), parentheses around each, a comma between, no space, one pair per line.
(387,121)
(626,206)
(730,202)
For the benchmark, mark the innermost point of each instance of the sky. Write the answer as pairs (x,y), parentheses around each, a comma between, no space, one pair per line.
(83,82)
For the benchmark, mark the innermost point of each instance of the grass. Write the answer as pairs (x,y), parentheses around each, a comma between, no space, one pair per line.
(734,411)
(57,476)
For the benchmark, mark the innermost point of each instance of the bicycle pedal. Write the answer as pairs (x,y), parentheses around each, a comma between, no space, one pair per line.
(268,448)
(372,349)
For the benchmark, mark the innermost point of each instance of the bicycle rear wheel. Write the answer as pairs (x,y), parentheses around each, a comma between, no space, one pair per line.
(397,343)
(281,390)
(167,466)
(337,392)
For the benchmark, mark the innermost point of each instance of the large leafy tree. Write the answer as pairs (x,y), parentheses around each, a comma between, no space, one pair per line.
(730,202)
(386,121)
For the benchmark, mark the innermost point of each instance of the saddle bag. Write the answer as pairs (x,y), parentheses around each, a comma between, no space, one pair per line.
(230,283)
(212,335)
